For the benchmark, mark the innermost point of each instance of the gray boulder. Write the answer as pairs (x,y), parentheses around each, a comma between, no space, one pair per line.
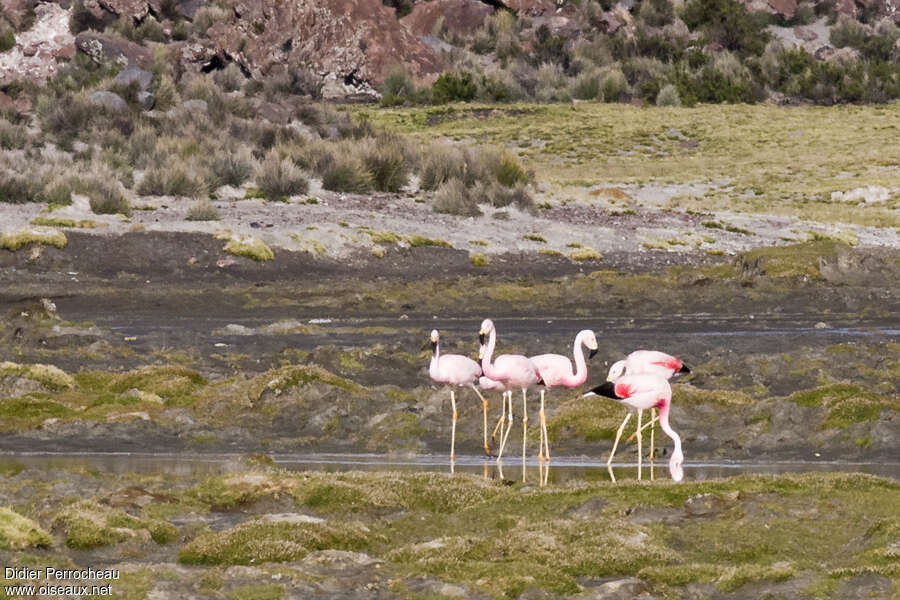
(108,101)
(135,74)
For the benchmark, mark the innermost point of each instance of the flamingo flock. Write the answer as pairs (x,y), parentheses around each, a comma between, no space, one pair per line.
(639,382)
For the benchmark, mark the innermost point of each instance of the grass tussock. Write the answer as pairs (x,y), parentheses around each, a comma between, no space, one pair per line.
(13,240)
(49,376)
(20,533)
(249,246)
(202,210)
(279,177)
(66,223)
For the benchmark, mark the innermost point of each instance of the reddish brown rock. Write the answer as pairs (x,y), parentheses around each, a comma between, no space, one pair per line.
(356,40)
(532,8)
(785,8)
(846,7)
(461,17)
(102,48)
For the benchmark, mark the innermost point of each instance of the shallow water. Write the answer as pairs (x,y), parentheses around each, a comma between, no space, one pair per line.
(561,469)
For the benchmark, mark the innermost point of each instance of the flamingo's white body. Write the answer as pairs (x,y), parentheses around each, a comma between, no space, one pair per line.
(455,370)
(513,370)
(640,392)
(555,370)
(644,362)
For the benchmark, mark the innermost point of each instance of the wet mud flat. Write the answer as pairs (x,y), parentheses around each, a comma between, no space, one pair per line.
(794,349)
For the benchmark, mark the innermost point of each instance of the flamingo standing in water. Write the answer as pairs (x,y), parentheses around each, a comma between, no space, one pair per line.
(640,392)
(556,370)
(513,370)
(455,370)
(644,362)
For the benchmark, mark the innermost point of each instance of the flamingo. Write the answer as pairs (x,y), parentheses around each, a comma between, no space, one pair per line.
(645,362)
(640,392)
(556,370)
(486,383)
(513,370)
(455,370)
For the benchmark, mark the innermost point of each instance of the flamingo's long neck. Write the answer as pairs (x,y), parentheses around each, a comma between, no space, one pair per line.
(677,455)
(580,364)
(433,369)
(486,367)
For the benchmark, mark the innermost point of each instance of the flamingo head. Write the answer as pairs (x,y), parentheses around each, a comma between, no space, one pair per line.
(616,371)
(676,463)
(590,340)
(435,336)
(487,326)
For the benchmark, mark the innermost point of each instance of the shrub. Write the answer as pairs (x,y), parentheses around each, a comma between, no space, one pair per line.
(728,23)
(278,177)
(656,13)
(385,161)
(453,87)
(173,178)
(231,167)
(231,78)
(440,162)
(507,170)
(7,37)
(586,86)
(848,32)
(347,173)
(550,48)
(613,85)
(105,196)
(202,210)
(18,188)
(57,191)
(453,198)
(668,96)
(549,80)
(398,84)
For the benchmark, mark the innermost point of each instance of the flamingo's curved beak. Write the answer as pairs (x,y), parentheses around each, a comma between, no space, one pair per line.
(481,338)
(593,352)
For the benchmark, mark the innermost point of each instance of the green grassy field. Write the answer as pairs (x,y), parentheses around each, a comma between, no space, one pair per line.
(760,158)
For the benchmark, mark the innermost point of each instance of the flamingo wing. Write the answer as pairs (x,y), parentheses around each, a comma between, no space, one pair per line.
(456,369)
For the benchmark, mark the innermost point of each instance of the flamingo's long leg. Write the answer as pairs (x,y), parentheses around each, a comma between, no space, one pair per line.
(524,427)
(645,426)
(640,453)
(487,449)
(652,450)
(505,435)
(544,435)
(500,423)
(453,430)
(616,445)
(540,426)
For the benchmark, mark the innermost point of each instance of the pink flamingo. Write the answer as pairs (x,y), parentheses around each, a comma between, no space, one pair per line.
(513,370)
(640,392)
(556,370)
(455,370)
(646,362)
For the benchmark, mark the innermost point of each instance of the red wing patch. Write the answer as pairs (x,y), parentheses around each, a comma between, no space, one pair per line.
(622,390)
(670,363)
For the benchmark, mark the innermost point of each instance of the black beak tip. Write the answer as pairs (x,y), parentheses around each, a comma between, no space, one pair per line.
(684,369)
(593,352)
(481,338)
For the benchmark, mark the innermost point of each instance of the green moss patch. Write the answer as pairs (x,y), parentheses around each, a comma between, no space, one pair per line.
(18,532)
(13,240)
(263,541)
(249,247)
(88,524)
(60,222)
(847,405)
(285,378)
(796,260)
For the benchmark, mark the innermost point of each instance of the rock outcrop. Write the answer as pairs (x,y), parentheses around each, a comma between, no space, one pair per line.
(461,17)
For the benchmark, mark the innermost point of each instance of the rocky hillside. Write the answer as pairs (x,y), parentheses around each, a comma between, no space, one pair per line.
(653,51)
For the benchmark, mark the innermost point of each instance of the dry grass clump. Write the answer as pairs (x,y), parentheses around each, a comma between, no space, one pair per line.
(385,159)
(171,178)
(231,167)
(12,136)
(105,196)
(17,187)
(202,210)
(18,532)
(249,247)
(279,177)
(453,198)
(347,173)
